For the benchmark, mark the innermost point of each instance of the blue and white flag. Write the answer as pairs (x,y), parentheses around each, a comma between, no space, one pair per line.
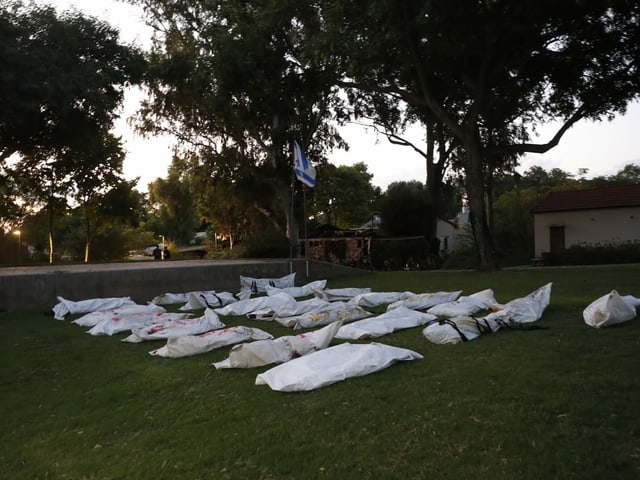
(305,172)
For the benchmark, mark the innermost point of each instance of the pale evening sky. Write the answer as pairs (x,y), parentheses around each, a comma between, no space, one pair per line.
(601,147)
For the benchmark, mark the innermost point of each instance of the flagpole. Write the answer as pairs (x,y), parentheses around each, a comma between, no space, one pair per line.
(306,173)
(306,240)
(292,188)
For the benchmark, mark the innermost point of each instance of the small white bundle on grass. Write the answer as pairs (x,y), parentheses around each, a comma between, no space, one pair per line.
(610,309)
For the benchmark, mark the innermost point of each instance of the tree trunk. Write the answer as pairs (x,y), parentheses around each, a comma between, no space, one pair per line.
(474,182)
(488,189)
(435,176)
(433,184)
(50,247)
(51,229)
(87,242)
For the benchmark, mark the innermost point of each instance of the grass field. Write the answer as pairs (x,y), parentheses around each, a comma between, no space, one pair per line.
(561,402)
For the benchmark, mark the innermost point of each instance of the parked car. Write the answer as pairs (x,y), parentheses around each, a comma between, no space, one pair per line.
(149,250)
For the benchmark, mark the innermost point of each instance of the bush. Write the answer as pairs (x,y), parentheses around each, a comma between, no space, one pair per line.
(598,254)
(463,257)
(265,245)
(397,254)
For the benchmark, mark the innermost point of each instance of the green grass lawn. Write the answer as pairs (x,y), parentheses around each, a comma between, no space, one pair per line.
(559,402)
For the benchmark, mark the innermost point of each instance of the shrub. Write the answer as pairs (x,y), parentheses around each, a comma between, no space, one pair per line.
(265,245)
(396,253)
(597,254)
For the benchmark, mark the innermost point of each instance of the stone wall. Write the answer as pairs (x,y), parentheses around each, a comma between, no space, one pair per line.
(37,288)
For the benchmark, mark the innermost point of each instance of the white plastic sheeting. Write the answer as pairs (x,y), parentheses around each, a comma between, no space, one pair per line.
(464,328)
(259,285)
(122,323)
(465,305)
(610,309)
(526,309)
(93,318)
(460,329)
(631,300)
(195,299)
(65,307)
(278,350)
(297,292)
(397,319)
(290,309)
(334,364)
(243,307)
(339,294)
(423,301)
(208,299)
(333,312)
(170,298)
(375,299)
(189,345)
(176,328)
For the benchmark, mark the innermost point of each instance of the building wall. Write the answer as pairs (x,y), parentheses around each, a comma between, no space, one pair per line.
(446,233)
(613,225)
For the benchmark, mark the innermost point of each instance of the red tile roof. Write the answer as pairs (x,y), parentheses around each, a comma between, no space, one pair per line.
(591,198)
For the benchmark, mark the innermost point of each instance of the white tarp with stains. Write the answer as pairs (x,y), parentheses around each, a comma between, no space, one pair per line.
(397,319)
(334,364)
(465,305)
(375,299)
(290,309)
(330,313)
(210,299)
(122,323)
(610,309)
(259,285)
(91,319)
(189,345)
(460,329)
(423,301)
(278,350)
(176,328)
(297,292)
(526,309)
(243,307)
(339,294)
(65,307)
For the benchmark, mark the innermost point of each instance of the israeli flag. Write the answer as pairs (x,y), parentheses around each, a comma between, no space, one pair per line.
(305,172)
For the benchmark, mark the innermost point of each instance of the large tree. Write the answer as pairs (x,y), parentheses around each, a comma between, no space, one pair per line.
(344,196)
(404,207)
(389,115)
(238,74)
(234,205)
(11,207)
(63,79)
(504,66)
(62,82)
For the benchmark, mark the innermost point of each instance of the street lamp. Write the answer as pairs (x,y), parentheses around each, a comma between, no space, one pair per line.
(19,234)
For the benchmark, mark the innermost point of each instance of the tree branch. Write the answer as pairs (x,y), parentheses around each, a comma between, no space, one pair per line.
(541,147)
(425,100)
(395,139)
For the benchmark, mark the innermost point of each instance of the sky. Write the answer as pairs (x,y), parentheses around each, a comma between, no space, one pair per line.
(603,148)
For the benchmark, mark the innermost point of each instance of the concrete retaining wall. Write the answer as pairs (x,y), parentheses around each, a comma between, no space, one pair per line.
(37,288)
